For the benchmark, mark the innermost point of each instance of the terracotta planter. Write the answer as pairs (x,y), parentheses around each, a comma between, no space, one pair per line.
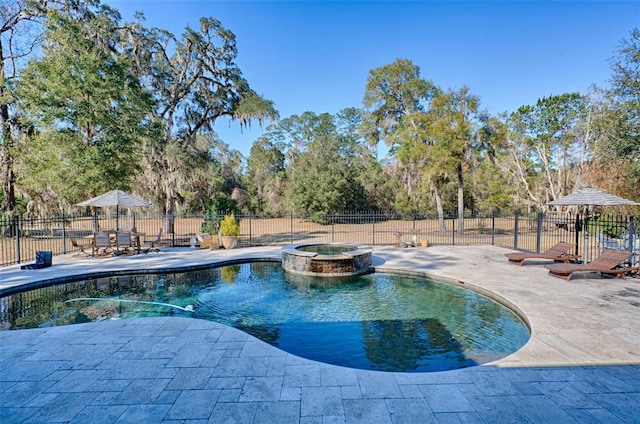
(229,242)
(425,243)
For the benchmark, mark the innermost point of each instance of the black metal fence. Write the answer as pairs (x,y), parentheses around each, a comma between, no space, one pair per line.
(21,237)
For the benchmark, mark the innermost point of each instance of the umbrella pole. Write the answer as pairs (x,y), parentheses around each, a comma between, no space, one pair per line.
(117,217)
(578,227)
(585,229)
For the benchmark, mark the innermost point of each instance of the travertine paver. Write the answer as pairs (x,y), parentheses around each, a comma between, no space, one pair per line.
(581,365)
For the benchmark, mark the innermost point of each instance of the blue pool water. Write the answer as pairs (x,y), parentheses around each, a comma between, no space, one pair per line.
(326,249)
(376,321)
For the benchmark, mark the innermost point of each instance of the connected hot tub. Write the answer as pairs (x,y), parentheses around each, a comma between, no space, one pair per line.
(326,259)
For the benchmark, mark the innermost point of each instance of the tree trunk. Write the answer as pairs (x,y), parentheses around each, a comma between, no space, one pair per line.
(436,194)
(169,218)
(8,177)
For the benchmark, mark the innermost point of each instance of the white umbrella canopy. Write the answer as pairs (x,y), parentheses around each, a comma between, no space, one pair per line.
(591,197)
(116,198)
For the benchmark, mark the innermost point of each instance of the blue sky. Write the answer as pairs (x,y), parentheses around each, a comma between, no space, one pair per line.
(315,56)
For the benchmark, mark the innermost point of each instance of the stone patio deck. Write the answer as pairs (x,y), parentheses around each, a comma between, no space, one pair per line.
(582,363)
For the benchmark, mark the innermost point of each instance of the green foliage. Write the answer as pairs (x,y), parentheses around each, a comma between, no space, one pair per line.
(88,111)
(395,95)
(210,224)
(605,224)
(319,218)
(325,161)
(195,81)
(492,190)
(618,124)
(626,93)
(482,227)
(498,202)
(404,205)
(229,226)
(107,104)
(219,203)
(547,144)
(265,176)
(255,107)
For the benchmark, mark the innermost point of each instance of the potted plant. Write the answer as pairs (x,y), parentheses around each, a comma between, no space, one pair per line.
(229,231)
(209,229)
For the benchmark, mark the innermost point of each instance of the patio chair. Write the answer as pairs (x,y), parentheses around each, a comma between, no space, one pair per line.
(606,264)
(77,245)
(558,253)
(152,243)
(101,241)
(123,241)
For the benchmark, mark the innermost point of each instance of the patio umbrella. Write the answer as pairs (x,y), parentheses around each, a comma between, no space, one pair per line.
(591,197)
(116,198)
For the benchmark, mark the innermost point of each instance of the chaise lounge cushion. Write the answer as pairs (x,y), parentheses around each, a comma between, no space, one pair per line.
(558,253)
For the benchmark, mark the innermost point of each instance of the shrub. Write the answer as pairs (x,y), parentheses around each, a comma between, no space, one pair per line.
(229,226)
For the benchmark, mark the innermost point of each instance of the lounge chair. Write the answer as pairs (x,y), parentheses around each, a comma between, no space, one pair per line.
(77,245)
(123,241)
(152,243)
(558,253)
(607,263)
(101,241)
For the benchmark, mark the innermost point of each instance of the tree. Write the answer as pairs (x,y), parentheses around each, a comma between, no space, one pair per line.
(625,89)
(395,95)
(548,147)
(21,31)
(265,177)
(492,189)
(324,162)
(195,81)
(617,126)
(20,26)
(452,129)
(397,100)
(87,112)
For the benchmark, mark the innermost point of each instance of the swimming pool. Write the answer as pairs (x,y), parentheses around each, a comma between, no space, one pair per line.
(377,321)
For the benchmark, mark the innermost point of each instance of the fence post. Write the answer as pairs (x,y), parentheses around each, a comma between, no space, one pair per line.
(539,234)
(173,233)
(250,232)
(453,232)
(291,227)
(632,236)
(373,229)
(333,227)
(578,228)
(64,236)
(493,228)
(515,231)
(16,227)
